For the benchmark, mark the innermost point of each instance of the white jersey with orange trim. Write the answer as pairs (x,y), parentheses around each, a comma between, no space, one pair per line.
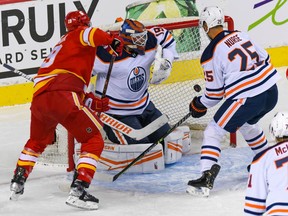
(235,67)
(129,80)
(267,188)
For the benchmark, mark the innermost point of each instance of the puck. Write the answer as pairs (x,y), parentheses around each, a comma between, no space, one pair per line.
(197,88)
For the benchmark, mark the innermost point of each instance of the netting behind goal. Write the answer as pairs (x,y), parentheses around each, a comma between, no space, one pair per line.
(173,96)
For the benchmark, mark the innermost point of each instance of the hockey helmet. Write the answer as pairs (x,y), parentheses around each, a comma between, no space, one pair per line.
(279,125)
(213,16)
(75,19)
(134,35)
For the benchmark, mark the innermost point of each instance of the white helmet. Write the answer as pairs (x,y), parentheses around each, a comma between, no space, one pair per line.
(213,16)
(279,125)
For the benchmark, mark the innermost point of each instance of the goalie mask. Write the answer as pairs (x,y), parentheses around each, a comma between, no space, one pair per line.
(75,19)
(279,125)
(213,16)
(134,35)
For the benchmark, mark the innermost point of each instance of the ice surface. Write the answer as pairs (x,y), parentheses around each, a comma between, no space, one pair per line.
(157,194)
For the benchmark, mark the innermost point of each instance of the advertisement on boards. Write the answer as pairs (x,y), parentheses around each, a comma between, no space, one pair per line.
(30,29)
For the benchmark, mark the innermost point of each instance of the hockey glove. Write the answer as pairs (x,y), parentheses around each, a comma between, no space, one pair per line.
(95,103)
(161,69)
(116,47)
(196,108)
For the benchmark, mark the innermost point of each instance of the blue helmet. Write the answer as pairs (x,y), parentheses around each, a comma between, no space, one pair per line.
(134,35)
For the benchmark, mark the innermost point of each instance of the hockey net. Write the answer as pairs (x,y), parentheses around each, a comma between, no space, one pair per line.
(171,97)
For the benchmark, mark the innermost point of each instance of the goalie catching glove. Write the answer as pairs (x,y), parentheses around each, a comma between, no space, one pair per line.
(161,69)
(196,108)
(95,103)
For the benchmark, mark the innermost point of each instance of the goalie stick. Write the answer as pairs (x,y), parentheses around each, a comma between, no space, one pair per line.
(136,134)
(108,75)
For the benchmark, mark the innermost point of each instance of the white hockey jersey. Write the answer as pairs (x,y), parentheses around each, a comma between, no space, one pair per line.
(235,67)
(129,80)
(267,188)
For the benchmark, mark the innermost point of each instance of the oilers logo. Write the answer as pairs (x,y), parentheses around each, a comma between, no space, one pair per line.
(136,79)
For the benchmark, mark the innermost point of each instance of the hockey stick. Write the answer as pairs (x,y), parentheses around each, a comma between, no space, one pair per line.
(107,78)
(108,75)
(136,134)
(115,177)
(14,70)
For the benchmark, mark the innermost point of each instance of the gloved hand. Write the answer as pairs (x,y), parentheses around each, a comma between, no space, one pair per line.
(161,69)
(116,47)
(164,64)
(95,103)
(196,108)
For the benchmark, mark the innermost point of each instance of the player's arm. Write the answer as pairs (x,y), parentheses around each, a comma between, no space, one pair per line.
(214,89)
(96,37)
(165,55)
(214,80)
(256,191)
(95,103)
(166,40)
(257,53)
(262,54)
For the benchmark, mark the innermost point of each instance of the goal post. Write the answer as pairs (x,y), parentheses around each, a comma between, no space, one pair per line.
(173,96)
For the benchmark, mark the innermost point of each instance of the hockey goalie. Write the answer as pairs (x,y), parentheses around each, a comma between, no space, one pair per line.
(147,59)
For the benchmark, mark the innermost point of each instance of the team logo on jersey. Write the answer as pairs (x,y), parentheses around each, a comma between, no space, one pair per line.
(88,130)
(136,79)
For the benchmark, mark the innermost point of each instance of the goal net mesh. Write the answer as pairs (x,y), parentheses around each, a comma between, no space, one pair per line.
(174,95)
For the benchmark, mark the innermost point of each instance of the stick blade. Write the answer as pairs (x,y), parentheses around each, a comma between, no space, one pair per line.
(152,127)
(115,177)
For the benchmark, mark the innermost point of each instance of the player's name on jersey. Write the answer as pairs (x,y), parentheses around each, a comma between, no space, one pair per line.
(281,149)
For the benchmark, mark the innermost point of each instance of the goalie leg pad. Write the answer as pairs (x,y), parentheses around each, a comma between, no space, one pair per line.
(186,139)
(116,157)
(173,146)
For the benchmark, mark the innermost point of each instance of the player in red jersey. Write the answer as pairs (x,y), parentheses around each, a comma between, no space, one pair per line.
(59,98)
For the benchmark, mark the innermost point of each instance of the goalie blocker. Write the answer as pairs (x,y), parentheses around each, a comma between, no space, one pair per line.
(115,156)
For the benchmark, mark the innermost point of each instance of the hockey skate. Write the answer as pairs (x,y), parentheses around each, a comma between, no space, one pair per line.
(80,198)
(17,183)
(203,185)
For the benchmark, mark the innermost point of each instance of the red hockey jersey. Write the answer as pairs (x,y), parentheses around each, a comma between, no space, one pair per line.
(72,58)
